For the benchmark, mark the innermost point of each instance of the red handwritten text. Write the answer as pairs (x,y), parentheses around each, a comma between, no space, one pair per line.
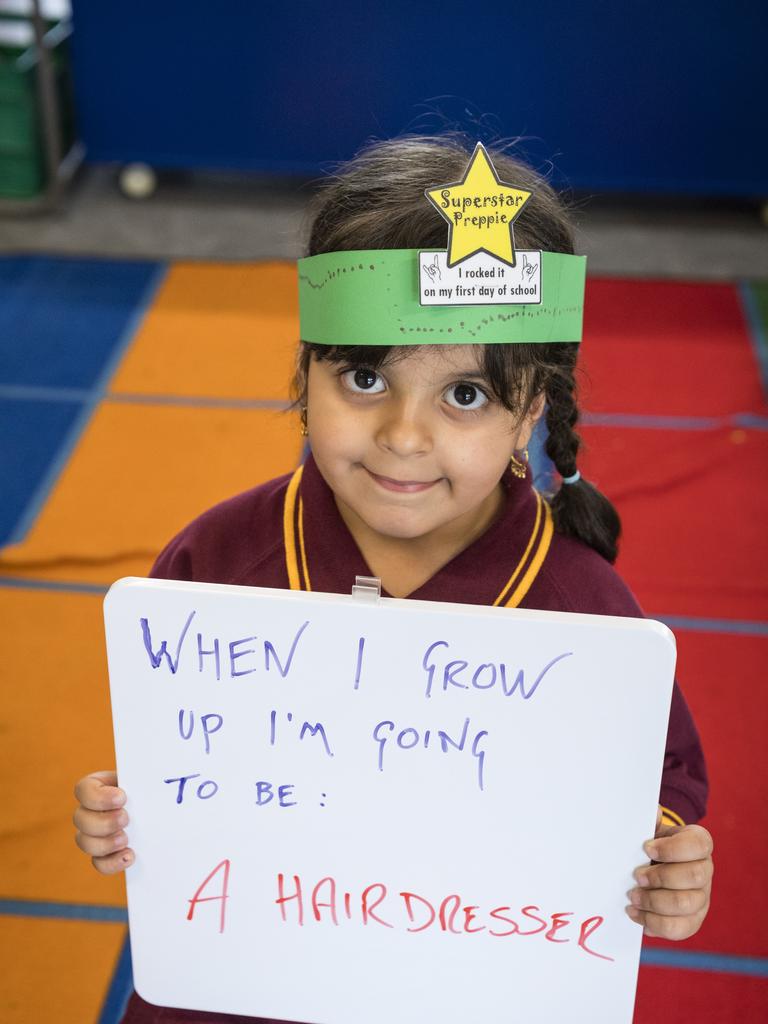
(327,903)
(222,897)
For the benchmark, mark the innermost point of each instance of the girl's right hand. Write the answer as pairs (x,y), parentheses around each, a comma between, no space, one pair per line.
(100,820)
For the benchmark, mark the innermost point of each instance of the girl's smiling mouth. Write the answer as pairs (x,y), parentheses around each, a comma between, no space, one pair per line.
(402,486)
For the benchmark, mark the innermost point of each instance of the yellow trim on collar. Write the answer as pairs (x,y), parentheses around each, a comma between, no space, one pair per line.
(519,567)
(289,530)
(669,817)
(538,559)
(522,586)
(302,548)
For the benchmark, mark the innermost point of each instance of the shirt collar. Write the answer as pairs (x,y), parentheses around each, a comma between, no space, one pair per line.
(477,575)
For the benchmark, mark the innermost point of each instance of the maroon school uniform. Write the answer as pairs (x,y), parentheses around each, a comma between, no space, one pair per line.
(288,534)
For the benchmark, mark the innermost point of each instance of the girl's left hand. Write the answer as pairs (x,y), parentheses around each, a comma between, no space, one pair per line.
(672,896)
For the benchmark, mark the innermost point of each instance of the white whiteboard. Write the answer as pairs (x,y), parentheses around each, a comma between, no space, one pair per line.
(508,794)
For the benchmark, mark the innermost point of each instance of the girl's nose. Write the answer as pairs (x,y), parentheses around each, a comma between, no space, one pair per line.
(404,430)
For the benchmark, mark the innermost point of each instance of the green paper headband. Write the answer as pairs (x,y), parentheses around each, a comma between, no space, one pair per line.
(380,296)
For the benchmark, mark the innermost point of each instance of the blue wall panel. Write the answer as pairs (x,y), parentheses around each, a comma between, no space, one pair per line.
(658,96)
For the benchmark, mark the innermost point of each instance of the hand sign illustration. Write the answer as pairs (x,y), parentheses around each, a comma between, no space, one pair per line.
(529,268)
(433,269)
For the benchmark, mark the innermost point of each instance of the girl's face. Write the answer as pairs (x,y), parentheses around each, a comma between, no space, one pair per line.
(417,446)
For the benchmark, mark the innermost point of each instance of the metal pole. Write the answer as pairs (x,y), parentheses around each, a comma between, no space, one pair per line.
(49,104)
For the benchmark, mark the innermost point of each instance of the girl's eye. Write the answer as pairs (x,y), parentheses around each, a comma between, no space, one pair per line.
(465,396)
(363,380)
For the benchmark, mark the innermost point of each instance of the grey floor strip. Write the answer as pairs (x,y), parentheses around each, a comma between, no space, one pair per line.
(63,911)
(735,626)
(685,959)
(738,627)
(692,960)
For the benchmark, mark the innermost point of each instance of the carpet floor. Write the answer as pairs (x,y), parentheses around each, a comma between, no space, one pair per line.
(133,395)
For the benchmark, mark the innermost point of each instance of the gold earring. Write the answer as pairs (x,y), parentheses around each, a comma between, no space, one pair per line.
(519,468)
(304,430)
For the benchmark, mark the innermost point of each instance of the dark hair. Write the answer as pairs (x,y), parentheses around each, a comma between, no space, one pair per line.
(376,201)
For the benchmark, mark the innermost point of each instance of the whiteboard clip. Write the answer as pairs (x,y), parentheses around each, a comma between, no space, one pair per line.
(367,588)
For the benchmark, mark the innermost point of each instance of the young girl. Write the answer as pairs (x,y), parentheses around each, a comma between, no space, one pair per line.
(418,476)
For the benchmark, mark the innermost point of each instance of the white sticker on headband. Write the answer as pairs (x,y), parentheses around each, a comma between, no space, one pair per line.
(480,280)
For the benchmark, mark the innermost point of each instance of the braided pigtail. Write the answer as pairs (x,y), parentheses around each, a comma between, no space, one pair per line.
(579,509)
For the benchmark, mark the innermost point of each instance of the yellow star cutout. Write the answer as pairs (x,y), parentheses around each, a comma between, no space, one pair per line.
(480,210)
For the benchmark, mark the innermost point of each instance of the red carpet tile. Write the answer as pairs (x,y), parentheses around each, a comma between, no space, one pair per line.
(694,506)
(723,679)
(666,996)
(666,347)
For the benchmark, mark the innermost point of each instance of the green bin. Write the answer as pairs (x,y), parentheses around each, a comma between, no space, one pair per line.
(23,169)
